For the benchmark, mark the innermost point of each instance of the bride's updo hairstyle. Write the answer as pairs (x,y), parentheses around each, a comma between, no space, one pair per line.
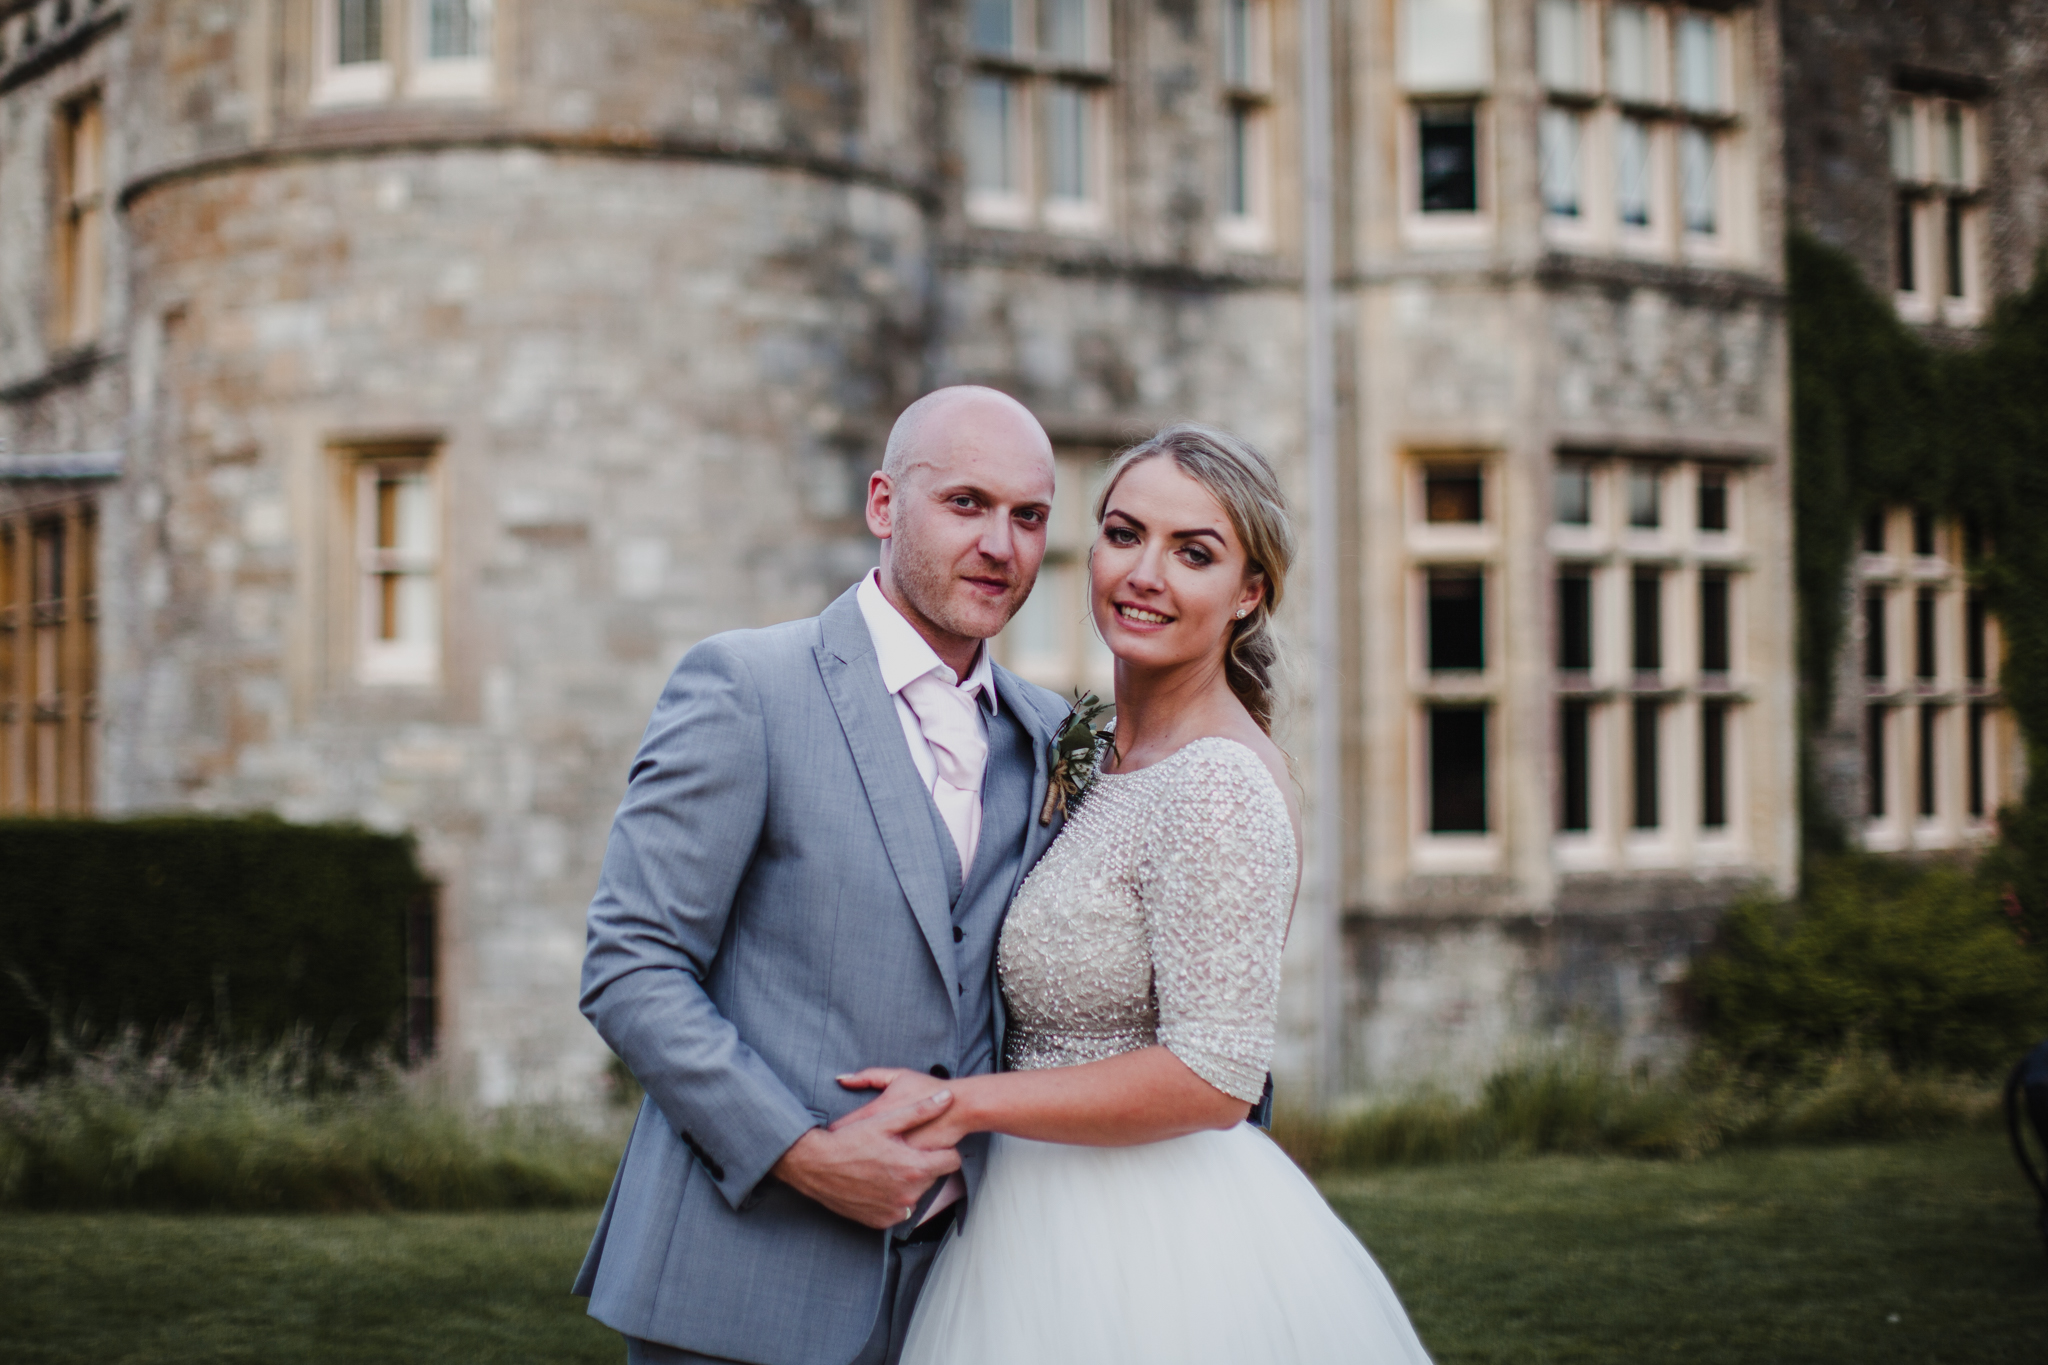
(1239,478)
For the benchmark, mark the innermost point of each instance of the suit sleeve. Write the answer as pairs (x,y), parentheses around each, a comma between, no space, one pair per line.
(693,813)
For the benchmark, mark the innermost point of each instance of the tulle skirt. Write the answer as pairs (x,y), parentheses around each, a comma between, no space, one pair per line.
(1206,1248)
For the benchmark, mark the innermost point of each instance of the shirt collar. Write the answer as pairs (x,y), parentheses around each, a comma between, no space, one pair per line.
(905,656)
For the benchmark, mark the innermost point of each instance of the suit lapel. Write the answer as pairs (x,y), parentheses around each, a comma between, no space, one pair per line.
(1036,836)
(867,715)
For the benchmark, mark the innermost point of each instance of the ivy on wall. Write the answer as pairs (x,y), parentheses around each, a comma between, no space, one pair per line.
(1881,417)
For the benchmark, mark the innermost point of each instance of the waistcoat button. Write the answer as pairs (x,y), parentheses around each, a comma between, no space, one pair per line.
(958,933)
(941,1072)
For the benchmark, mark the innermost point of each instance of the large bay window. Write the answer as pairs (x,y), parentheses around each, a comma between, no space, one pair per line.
(1037,114)
(1651,690)
(1246,220)
(1939,748)
(1936,170)
(1638,137)
(369,51)
(1446,71)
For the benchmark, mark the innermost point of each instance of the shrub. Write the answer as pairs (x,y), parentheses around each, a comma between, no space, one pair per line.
(282,1129)
(247,928)
(1920,964)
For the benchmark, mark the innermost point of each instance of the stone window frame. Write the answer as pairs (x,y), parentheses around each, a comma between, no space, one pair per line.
(1426,88)
(1613,553)
(1245,52)
(1031,78)
(405,69)
(371,575)
(1576,70)
(1902,709)
(81,220)
(1938,206)
(49,690)
(1462,546)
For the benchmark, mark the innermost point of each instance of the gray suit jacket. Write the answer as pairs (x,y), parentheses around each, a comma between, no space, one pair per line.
(774,911)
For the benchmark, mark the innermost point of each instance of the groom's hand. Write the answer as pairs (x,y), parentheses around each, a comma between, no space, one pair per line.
(864,1170)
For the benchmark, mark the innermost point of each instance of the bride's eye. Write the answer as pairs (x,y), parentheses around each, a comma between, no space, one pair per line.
(1197,556)
(1120,535)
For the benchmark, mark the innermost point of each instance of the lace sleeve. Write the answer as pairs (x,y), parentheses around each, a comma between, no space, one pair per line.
(1217,882)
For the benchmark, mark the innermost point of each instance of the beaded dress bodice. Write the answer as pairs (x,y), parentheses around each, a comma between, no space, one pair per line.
(1157,916)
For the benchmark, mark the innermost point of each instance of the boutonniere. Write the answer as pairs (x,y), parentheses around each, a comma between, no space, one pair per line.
(1077,749)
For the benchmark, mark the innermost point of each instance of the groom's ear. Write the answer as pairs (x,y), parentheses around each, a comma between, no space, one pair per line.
(881,505)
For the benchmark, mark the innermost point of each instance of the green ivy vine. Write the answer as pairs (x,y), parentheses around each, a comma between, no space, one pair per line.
(1882,417)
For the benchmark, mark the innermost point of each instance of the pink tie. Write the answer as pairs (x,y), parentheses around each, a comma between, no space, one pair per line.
(946,716)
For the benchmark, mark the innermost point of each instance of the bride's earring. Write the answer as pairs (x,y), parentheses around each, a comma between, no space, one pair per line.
(1241,612)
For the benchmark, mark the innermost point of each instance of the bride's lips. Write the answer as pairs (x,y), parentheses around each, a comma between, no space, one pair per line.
(1141,618)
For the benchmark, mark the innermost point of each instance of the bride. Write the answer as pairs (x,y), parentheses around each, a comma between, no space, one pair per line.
(1129,1213)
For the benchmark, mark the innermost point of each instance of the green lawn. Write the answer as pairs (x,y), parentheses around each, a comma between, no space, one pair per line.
(1762,1258)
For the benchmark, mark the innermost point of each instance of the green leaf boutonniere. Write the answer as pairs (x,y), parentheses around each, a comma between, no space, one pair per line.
(1077,749)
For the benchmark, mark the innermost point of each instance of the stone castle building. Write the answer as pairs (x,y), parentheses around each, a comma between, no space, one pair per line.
(392,390)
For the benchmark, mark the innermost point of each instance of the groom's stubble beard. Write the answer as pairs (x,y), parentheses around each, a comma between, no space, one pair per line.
(929,585)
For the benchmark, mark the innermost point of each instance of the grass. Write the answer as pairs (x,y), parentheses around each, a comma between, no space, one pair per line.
(1782,1256)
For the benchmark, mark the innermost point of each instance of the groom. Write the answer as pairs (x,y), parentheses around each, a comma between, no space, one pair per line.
(819,838)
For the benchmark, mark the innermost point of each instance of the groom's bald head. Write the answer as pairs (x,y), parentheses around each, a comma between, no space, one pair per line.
(961,503)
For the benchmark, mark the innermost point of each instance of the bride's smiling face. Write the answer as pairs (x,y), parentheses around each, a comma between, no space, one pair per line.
(1167,573)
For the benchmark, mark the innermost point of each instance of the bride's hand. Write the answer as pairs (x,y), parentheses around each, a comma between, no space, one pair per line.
(900,1086)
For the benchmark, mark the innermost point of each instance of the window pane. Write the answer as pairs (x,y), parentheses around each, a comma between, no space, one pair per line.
(1063,29)
(456,28)
(1645,509)
(1875,778)
(1975,642)
(418,610)
(1714,632)
(1237,185)
(1713,500)
(1952,144)
(1628,52)
(1930,731)
(1449,146)
(1923,533)
(1714,764)
(1925,653)
(1457,770)
(1237,42)
(1904,163)
(1575,621)
(990,137)
(1875,661)
(1646,717)
(1457,620)
(1699,77)
(1560,49)
(1632,172)
(1453,493)
(1952,240)
(1573,495)
(1902,245)
(1646,603)
(1066,142)
(1697,188)
(1446,44)
(1560,138)
(992,25)
(1575,743)
(1978,717)
(358,31)
(1873,533)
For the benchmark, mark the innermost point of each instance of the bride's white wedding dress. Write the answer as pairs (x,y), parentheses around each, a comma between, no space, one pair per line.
(1156,917)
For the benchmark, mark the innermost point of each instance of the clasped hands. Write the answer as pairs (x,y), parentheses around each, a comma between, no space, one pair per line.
(874,1164)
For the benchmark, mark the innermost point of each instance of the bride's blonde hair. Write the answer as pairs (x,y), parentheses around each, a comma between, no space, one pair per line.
(1240,478)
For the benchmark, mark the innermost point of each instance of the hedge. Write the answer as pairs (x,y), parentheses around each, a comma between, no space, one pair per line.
(244,929)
